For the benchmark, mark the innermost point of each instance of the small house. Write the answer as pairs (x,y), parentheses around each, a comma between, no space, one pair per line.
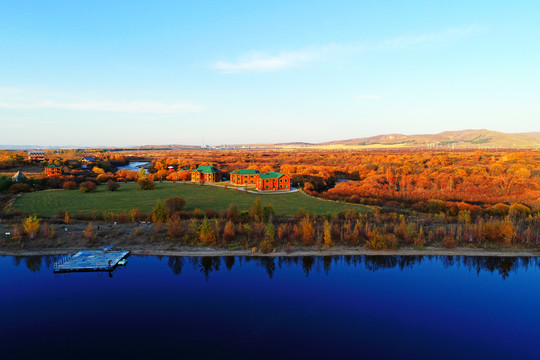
(87,161)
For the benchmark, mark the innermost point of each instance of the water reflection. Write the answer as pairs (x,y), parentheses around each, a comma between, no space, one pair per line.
(503,266)
(34,263)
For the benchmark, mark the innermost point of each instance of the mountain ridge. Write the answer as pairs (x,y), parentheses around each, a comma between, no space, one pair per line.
(468,138)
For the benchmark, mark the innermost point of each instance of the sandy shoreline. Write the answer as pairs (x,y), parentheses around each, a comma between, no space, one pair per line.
(190,251)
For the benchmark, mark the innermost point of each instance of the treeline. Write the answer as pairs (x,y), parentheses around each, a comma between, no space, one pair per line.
(64,158)
(396,178)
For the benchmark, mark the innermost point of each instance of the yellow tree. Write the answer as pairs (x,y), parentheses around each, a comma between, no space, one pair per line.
(31,226)
(328,235)
(307,230)
(207,234)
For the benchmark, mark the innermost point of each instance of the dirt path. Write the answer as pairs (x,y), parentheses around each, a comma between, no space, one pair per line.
(190,251)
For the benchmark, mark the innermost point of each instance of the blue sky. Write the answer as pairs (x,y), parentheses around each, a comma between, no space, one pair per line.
(133,73)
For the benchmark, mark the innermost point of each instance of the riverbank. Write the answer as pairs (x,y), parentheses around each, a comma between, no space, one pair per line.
(337,251)
(149,239)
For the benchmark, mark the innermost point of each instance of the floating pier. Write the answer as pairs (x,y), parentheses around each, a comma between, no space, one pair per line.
(90,260)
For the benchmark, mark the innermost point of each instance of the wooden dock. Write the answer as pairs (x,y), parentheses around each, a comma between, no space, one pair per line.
(90,260)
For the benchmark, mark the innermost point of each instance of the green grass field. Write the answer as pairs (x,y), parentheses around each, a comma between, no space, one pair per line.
(129,196)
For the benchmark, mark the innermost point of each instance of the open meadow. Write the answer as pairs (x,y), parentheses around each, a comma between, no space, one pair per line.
(129,196)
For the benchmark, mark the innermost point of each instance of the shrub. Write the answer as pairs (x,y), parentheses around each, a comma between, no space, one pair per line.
(112,185)
(449,242)
(420,240)
(206,233)
(464,216)
(244,215)
(257,212)
(146,184)
(392,241)
(20,187)
(229,231)
(174,227)
(301,213)
(232,212)
(507,232)
(45,231)
(519,211)
(174,204)
(376,242)
(435,206)
(135,215)
(257,231)
(268,211)
(69,185)
(198,213)
(211,213)
(348,214)
(499,209)
(90,233)
(5,183)
(102,178)
(88,186)
(265,246)
(270,232)
(159,212)
(16,232)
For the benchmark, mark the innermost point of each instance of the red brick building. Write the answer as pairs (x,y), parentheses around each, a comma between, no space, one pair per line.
(273,181)
(53,170)
(207,174)
(244,177)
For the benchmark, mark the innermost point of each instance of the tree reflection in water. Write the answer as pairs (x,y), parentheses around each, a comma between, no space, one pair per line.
(34,263)
(502,266)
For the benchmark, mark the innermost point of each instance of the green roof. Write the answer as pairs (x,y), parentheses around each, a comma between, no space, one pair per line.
(270,175)
(245,172)
(52,167)
(206,169)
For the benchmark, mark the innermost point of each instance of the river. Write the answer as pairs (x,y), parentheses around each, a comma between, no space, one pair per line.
(406,307)
(134,165)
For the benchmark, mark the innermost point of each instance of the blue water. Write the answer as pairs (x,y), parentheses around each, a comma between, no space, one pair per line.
(134,166)
(264,308)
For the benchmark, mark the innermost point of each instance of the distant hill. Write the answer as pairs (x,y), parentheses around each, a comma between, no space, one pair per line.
(458,139)
(463,139)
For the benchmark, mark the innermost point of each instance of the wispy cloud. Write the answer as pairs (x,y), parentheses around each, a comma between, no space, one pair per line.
(260,61)
(368,97)
(445,36)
